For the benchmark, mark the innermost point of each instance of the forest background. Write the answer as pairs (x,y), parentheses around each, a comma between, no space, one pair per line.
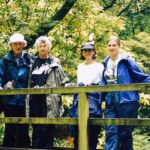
(70,23)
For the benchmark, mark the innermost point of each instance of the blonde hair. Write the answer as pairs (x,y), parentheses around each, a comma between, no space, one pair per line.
(115,38)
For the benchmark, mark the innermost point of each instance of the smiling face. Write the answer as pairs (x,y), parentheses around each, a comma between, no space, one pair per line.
(17,47)
(88,54)
(113,48)
(43,50)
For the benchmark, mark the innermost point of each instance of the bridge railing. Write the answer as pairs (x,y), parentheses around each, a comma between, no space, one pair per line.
(83,120)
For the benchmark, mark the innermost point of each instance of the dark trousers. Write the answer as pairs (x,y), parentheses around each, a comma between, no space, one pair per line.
(15,135)
(93,136)
(119,137)
(94,130)
(42,135)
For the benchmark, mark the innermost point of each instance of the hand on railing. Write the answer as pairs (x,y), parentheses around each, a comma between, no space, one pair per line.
(37,86)
(70,84)
(9,85)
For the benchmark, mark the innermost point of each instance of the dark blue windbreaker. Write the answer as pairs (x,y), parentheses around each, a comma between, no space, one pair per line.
(94,105)
(11,71)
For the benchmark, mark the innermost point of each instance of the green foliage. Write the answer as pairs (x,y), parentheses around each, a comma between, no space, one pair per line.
(1,134)
(141,140)
(86,21)
(140,49)
(24,17)
(1,130)
(137,18)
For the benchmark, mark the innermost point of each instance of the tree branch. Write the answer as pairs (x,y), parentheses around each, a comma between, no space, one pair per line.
(104,2)
(109,5)
(125,9)
(45,27)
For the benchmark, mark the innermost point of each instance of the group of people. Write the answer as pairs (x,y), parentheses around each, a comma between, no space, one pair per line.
(19,70)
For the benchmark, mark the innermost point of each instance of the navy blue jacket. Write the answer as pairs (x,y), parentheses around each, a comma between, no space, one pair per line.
(10,70)
(94,105)
(128,72)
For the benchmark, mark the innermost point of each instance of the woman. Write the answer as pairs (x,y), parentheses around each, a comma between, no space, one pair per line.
(88,73)
(45,73)
(120,69)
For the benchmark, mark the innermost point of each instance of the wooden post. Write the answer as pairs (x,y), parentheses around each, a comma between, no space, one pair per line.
(83,111)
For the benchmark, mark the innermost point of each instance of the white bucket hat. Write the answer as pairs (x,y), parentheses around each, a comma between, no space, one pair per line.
(17,37)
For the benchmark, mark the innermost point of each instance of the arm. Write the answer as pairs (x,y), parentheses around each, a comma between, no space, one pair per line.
(137,73)
(2,73)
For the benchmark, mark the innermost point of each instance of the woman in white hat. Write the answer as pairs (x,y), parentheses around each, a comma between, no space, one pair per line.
(14,72)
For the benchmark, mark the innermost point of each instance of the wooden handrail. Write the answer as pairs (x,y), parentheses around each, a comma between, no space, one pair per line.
(85,89)
(83,120)
(71,121)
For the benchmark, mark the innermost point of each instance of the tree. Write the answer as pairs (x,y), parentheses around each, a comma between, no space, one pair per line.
(50,23)
(33,18)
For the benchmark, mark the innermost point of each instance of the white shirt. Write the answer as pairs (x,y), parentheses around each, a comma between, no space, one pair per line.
(112,66)
(111,70)
(89,73)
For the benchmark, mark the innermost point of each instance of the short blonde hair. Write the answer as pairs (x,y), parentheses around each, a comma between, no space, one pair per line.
(43,39)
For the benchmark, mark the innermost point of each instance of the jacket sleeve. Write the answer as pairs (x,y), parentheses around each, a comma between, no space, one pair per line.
(2,73)
(137,73)
(63,77)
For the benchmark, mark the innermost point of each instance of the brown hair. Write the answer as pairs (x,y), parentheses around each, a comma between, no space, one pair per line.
(115,38)
(82,57)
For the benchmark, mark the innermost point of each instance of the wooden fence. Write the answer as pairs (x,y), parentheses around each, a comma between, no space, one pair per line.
(83,120)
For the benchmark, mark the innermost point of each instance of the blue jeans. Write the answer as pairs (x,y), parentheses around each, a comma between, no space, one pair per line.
(119,137)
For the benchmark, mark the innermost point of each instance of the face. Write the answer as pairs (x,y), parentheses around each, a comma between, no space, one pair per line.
(17,47)
(88,54)
(43,49)
(113,48)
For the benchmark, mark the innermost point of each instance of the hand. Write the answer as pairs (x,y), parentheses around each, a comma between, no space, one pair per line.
(9,85)
(36,86)
(70,84)
(56,60)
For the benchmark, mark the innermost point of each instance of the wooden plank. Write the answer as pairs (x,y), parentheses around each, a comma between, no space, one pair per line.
(83,109)
(66,90)
(54,148)
(20,120)
(69,121)
(121,121)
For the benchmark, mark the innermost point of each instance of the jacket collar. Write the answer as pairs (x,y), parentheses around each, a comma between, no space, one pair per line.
(52,61)
(10,57)
(123,57)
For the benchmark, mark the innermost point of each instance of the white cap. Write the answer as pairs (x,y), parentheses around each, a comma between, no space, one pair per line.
(17,37)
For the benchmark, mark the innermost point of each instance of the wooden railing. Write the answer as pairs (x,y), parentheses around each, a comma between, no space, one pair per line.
(83,120)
